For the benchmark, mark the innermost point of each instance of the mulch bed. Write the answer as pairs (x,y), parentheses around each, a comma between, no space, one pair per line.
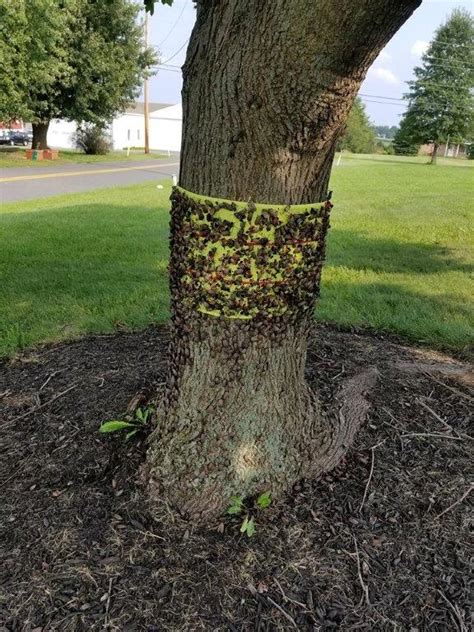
(381,543)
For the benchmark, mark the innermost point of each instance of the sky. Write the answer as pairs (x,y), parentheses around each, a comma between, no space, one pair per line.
(170,29)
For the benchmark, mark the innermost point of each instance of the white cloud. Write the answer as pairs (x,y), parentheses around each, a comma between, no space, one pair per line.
(384,56)
(418,48)
(384,74)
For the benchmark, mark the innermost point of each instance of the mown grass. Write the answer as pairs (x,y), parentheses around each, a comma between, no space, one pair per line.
(348,157)
(399,257)
(16,157)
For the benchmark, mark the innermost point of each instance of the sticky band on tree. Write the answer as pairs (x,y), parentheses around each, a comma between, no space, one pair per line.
(241,260)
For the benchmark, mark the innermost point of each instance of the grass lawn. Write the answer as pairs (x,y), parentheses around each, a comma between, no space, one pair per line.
(15,157)
(399,256)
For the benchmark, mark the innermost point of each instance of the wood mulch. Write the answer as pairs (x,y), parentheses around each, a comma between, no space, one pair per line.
(380,543)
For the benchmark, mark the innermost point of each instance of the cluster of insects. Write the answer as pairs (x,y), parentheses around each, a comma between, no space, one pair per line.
(241,263)
(242,276)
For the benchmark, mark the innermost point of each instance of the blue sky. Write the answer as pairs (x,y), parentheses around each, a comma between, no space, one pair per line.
(170,28)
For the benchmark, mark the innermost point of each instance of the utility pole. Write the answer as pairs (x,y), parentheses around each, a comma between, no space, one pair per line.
(146,112)
(446,147)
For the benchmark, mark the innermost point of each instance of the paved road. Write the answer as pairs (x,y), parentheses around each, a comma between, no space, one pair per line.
(25,183)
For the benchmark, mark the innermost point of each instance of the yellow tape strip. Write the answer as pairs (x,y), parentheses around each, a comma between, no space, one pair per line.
(292,208)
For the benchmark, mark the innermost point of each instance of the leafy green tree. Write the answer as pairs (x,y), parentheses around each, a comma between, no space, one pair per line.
(108,60)
(48,55)
(441,102)
(359,136)
(404,142)
(83,60)
(13,42)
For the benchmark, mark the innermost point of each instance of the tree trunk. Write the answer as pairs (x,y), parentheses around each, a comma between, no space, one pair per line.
(434,153)
(40,135)
(267,89)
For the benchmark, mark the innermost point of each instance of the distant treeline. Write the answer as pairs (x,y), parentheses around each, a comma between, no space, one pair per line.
(360,136)
(386,131)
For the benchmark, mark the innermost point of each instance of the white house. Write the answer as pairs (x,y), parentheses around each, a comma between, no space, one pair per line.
(61,134)
(127,130)
(165,122)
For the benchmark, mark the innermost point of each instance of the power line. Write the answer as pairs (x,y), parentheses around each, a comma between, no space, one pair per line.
(168,69)
(445,61)
(177,52)
(389,100)
(448,43)
(174,25)
(379,96)
(179,67)
(441,61)
(413,109)
(448,63)
(422,82)
(400,105)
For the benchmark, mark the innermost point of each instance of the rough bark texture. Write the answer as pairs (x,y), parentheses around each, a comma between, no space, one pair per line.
(40,135)
(267,89)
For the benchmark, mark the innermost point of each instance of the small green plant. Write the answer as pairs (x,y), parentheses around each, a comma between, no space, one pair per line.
(135,425)
(248,526)
(264,500)
(237,507)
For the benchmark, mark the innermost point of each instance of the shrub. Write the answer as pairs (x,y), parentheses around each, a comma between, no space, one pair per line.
(92,139)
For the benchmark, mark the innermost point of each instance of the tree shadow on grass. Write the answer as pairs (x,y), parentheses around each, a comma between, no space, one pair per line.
(360,251)
(95,236)
(421,161)
(74,269)
(443,320)
(358,158)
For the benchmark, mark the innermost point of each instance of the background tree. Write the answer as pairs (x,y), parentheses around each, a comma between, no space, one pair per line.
(267,90)
(405,141)
(108,61)
(359,136)
(83,60)
(48,56)
(441,101)
(13,42)
(387,131)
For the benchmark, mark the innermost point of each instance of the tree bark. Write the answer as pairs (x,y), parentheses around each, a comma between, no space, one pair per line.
(267,89)
(40,135)
(434,153)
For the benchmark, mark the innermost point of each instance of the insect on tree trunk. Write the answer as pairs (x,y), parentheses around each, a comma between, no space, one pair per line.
(40,135)
(267,89)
